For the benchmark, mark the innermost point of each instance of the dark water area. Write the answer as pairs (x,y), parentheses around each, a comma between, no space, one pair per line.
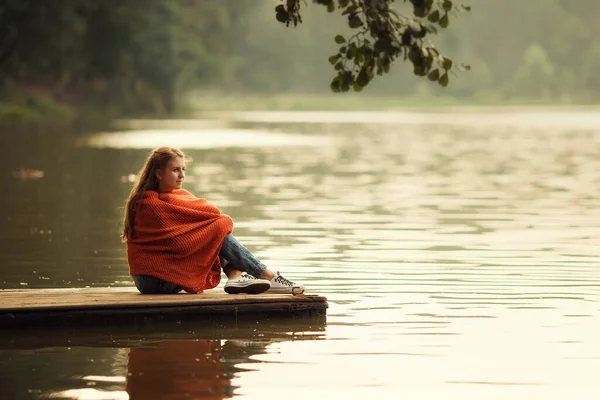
(155,361)
(458,251)
(61,228)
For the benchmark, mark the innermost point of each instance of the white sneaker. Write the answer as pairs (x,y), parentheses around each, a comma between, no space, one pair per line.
(246,283)
(284,286)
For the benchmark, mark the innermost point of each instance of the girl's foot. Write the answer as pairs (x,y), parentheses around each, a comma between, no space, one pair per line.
(246,283)
(280,285)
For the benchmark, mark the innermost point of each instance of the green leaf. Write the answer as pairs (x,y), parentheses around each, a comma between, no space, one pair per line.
(335,86)
(443,80)
(444,21)
(447,63)
(354,21)
(419,70)
(282,16)
(353,51)
(447,5)
(434,75)
(363,77)
(333,59)
(434,16)
(419,12)
(414,26)
(357,87)
(339,66)
(413,56)
(339,39)
(420,33)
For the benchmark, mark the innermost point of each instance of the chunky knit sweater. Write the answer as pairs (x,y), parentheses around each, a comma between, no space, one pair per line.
(177,237)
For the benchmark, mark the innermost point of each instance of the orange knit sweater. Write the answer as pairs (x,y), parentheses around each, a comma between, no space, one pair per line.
(177,237)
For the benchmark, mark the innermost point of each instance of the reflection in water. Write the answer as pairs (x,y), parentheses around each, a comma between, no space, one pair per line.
(194,369)
(194,139)
(158,361)
(28,174)
(458,250)
(168,369)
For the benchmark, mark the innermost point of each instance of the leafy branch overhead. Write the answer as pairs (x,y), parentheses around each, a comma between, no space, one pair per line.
(383,35)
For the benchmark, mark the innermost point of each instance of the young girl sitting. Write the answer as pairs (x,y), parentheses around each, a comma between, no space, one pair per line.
(176,241)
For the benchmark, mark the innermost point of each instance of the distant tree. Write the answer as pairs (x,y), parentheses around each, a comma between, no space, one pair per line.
(535,76)
(589,72)
(382,36)
(128,57)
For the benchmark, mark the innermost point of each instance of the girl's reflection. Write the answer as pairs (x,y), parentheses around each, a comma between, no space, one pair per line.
(186,368)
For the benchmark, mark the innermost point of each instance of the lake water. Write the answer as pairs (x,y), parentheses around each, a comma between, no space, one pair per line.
(458,250)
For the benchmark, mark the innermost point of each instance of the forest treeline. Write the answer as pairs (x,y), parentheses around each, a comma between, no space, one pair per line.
(138,57)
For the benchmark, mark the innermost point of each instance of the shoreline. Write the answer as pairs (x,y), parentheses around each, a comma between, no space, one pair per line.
(217,105)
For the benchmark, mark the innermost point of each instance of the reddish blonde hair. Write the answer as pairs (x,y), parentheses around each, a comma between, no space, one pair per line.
(157,160)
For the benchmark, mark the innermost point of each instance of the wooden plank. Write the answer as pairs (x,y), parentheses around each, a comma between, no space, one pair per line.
(121,305)
(32,299)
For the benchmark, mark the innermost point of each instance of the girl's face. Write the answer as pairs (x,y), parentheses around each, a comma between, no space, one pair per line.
(171,177)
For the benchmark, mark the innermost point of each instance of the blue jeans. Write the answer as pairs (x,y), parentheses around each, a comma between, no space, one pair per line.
(233,255)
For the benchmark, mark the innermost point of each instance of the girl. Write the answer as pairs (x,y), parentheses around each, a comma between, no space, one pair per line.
(176,241)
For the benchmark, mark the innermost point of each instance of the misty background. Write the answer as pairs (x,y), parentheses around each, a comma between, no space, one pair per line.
(457,247)
(68,58)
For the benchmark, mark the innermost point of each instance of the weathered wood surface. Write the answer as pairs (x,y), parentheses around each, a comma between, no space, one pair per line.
(123,305)
(38,299)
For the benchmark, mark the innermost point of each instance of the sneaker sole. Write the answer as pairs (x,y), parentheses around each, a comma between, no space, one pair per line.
(294,290)
(254,288)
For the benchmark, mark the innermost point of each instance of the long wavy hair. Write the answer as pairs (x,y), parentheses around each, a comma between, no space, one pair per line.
(157,160)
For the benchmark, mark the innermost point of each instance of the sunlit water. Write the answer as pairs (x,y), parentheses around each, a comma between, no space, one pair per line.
(460,259)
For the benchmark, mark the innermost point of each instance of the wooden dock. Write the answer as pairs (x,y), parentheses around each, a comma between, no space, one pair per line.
(126,307)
